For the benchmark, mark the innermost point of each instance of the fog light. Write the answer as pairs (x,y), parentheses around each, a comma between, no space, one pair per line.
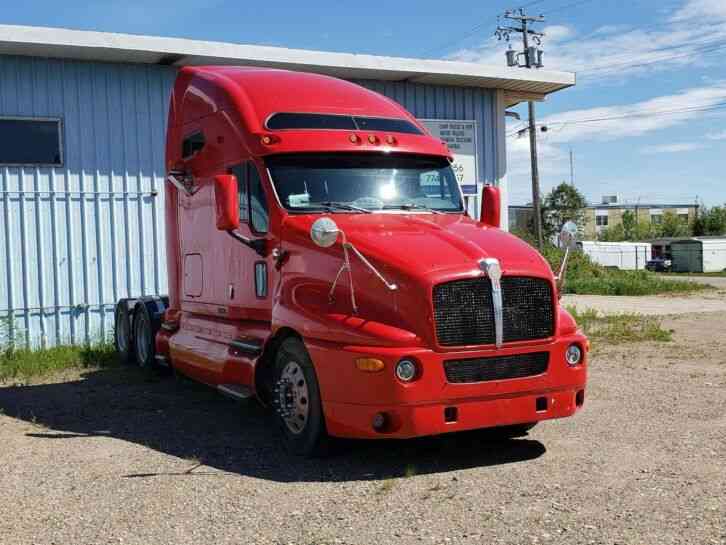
(573,354)
(379,421)
(406,370)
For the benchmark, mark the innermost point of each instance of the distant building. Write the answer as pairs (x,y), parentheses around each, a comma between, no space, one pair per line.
(520,217)
(609,213)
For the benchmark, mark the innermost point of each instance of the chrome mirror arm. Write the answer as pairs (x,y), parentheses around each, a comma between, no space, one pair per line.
(560,277)
(346,266)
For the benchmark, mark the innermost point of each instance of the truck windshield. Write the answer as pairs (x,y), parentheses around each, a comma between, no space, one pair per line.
(370,181)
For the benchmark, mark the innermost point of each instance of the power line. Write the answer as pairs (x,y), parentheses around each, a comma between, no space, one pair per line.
(656,113)
(475,29)
(704,51)
(704,43)
(566,6)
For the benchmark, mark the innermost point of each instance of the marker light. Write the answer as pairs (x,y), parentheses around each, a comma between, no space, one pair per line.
(354,138)
(573,354)
(266,140)
(372,138)
(369,365)
(390,140)
(406,370)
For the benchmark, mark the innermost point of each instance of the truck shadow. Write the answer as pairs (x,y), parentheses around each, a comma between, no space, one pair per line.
(222,437)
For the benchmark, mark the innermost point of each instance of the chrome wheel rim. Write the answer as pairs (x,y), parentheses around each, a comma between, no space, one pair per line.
(293,397)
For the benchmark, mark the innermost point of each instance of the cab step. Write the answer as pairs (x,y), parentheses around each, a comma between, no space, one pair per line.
(235,391)
(249,346)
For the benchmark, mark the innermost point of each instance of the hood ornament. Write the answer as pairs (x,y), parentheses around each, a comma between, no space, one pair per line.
(493,270)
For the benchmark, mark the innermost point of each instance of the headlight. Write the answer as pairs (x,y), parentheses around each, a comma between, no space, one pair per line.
(406,370)
(573,354)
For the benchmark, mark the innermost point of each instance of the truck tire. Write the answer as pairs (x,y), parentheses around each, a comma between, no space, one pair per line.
(297,401)
(122,335)
(148,314)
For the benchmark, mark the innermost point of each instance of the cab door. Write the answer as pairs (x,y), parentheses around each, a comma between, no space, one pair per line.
(248,287)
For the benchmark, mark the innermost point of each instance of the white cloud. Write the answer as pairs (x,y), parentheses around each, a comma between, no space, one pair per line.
(635,119)
(573,128)
(693,9)
(678,147)
(614,53)
(716,135)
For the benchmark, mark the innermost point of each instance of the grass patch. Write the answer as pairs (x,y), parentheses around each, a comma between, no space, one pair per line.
(23,363)
(585,277)
(718,274)
(620,328)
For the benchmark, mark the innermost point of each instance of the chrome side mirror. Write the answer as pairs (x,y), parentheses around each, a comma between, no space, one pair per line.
(324,232)
(568,240)
(568,235)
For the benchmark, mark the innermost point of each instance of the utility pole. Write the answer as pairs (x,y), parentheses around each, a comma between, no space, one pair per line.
(532,59)
(572,168)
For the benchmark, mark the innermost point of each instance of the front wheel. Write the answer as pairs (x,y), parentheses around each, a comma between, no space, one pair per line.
(296,400)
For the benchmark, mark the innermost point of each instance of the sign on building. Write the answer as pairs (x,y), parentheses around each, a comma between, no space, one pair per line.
(460,136)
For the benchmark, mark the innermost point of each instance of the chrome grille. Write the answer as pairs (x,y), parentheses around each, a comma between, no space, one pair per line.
(464,312)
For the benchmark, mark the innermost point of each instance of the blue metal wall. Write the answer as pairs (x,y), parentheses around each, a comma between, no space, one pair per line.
(76,238)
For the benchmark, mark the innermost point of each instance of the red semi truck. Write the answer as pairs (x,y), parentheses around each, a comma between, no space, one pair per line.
(320,258)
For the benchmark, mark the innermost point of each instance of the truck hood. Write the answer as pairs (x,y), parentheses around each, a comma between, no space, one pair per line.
(426,245)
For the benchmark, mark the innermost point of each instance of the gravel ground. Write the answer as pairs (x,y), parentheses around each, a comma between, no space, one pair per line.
(712,301)
(111,456)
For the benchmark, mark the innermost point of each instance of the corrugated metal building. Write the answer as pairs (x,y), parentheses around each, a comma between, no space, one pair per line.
(81,215)
(699,254)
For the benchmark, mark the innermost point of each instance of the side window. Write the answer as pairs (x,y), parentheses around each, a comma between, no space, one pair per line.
(259,214)
(192,144)
(240,172)
(252,201)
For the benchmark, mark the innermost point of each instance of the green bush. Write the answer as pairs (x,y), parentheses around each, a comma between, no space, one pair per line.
(25,363)
(585,277)
(619,328)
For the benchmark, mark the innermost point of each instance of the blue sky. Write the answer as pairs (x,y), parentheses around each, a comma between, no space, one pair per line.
(632,58)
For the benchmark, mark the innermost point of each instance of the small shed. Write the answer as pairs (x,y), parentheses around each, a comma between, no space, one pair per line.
(699,254)
(626,256)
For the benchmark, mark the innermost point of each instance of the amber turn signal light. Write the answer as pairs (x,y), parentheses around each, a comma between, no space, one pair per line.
(369,365)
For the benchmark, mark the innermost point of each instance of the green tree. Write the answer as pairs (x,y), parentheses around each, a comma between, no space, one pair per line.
(616,233)
(711,221)
(630,225)
(564,203)
(673,226)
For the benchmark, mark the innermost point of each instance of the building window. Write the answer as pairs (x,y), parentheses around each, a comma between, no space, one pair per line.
(601,220)
(656,219)
(26,141)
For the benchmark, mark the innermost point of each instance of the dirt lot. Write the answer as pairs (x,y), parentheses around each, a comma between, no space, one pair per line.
(111,457)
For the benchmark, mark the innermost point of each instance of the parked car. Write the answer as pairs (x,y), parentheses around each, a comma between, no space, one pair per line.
(659,264)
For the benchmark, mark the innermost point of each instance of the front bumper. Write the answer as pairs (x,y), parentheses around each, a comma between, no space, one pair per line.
(352,398)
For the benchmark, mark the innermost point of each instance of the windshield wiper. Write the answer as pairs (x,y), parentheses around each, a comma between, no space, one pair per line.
(413,206)
(344,206)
